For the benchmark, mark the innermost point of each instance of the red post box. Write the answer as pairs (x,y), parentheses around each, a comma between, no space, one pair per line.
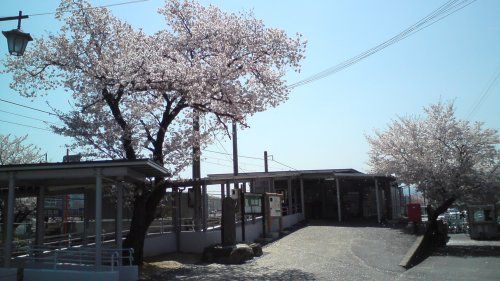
(414,212)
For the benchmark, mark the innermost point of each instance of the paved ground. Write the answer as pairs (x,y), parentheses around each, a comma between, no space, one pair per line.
(330,252)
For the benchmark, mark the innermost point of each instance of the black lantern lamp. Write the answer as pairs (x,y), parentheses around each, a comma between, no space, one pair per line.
(16,39)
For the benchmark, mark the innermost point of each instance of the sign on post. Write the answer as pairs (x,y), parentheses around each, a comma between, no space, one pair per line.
(274,205)
(253,204)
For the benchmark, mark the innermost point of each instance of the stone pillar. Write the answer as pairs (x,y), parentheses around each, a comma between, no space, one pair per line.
(98,219)
(229,230)
(7,248)
(339,209)
(40,216)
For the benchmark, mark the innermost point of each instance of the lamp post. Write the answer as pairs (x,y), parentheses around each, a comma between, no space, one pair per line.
(16,39)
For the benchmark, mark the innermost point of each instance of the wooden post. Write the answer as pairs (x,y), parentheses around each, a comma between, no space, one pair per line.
(266,167)
(302,200)
(242,200)
(205,207)
(339,209)
(119,217)
(7,248)
(40,216)
(98,219)
(377,199)
(290,196)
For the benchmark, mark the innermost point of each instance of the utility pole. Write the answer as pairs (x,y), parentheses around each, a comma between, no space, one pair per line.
(196,171)
(235,173)
(235,149)
(266,169)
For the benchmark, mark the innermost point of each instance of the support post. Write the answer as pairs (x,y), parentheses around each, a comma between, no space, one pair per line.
(40,216)
(290,196)
(197,207)
(223,195)
(98,219)
(302,199)
(7,250)
(235,149)
(377,199)
(205,207)
(339,209)
(266,167)
(175,217)
(119,217)
(86,215)
(228,189)
(242,203)
(197,215)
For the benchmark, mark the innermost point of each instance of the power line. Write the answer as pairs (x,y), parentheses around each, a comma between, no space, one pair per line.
(443,11)
(91,8)
(223,148)
(225,153)
(29,107)
(250,157)
(231,160)
(283,164)
(29,126)
(485,93)
(29,117)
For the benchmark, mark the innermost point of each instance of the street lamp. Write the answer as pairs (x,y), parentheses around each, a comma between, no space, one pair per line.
(16,39)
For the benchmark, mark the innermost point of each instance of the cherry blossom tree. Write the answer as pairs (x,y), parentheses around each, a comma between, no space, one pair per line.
(15,150)
(136,95)
(446,158)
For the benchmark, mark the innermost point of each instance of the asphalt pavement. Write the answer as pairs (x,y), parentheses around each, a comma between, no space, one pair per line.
(324,251)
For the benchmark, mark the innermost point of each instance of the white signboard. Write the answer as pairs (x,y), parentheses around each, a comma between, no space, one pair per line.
(274,205)
(253,203)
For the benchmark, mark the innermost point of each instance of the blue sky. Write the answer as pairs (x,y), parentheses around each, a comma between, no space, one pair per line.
(323,124)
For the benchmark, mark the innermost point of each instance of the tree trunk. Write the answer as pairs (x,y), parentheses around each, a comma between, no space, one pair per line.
(434,234)
(136,235)
(143,215)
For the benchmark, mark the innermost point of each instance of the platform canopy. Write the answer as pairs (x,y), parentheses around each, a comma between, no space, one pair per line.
(71,177)
(58,176)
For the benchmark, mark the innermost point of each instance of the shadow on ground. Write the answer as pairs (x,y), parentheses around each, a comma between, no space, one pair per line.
(222,272)
(468,251)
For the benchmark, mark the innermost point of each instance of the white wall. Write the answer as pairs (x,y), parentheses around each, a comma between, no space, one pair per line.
(158,244)
(195,242)
(65,275)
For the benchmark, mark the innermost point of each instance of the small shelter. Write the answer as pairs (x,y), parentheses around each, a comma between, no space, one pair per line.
(93,260)
(340,194)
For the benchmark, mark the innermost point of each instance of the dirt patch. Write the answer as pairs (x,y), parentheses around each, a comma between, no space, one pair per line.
(158,267)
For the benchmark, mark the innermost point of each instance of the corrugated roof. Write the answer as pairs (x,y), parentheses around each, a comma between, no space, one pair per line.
(282,174)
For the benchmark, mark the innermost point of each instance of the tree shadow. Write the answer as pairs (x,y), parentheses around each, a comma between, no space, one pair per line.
(226,272)
(468,251)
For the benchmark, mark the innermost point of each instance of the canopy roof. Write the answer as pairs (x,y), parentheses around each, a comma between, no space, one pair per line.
(79,173)
(305,174)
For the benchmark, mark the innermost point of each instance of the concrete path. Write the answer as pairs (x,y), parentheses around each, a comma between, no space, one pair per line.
(332,252)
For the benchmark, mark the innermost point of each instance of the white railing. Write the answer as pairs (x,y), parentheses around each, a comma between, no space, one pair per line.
(80,256)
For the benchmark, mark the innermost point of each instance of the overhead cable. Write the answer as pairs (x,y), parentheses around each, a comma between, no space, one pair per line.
(443,11)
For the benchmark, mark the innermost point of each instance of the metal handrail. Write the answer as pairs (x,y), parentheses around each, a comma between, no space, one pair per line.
(77,255)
